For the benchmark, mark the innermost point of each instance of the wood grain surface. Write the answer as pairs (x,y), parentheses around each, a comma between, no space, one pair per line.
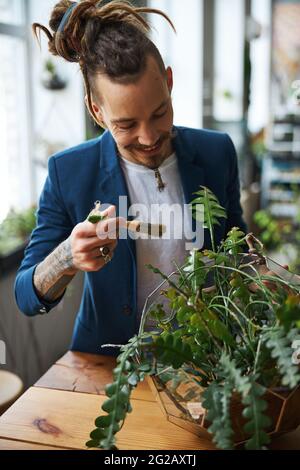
(65,419)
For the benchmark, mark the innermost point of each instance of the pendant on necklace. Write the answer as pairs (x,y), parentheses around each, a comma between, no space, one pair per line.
(160,184)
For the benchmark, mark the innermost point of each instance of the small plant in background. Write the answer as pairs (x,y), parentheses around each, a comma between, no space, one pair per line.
(16,229)
(223,327)
(272,231)
(282,236)
(51,78)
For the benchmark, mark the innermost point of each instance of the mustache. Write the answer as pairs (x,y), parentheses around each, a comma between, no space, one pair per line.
(165,136)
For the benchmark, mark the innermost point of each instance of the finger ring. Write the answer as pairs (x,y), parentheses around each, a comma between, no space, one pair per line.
(104,250)
(105,253)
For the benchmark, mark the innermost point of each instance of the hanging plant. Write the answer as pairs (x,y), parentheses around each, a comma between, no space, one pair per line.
(51,79)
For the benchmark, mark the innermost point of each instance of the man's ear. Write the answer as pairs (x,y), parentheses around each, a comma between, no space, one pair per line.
(169,75)
(96,110)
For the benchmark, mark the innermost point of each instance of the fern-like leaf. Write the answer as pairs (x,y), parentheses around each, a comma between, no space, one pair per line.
(207,209)
(257,420)
(229,371)
(234,240)
(279,343)
(251,393)
(217,401)
(127,374)
(171,350)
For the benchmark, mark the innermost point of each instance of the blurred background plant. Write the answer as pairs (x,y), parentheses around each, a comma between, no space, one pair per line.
(281,237)
(16,229)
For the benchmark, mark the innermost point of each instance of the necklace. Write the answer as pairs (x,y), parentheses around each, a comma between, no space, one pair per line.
(160,184)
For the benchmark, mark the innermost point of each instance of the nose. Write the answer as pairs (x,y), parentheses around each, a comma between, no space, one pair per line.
(148,136)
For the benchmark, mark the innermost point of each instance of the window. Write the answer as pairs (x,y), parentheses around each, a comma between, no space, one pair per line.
(14,99)
(11,12)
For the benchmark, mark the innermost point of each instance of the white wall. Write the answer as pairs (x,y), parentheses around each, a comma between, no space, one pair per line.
(183,52)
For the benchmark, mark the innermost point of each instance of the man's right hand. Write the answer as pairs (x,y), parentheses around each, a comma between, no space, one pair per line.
(87,239)
(80,252)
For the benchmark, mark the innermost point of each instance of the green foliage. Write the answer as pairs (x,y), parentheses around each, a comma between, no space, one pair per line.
(171,350)
(207,209)
(50,67)
(217,399)
(254,409)
(288,313)
(279,234)
(271,232)
(235,241)
(127,374)
(95,215)
(280,344)
(220,328)
(16,228)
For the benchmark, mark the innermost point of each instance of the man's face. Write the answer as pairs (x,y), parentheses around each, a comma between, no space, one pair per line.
(139,115)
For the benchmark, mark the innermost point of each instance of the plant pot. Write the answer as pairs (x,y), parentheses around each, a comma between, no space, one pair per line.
(183,407)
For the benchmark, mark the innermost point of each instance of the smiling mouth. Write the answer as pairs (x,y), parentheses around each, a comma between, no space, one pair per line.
(150,149)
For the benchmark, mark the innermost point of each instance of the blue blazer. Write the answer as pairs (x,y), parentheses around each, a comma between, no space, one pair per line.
(78,177)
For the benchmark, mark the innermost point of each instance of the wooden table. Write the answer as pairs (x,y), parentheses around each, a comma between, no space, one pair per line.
(59,412)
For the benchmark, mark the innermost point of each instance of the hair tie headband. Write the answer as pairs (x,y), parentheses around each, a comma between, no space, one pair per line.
(66,17)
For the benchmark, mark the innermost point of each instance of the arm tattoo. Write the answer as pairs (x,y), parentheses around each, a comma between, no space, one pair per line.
(52,276)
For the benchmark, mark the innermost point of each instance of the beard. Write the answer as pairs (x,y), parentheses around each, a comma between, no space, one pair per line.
(135,153)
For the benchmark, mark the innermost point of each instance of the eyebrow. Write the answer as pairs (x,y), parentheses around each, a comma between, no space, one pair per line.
(120,120)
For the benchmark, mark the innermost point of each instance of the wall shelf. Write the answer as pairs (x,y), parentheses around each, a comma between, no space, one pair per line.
(281,168)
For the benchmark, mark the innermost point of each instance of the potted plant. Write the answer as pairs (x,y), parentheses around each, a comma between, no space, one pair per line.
(16,228)
(14,233)
(217,340)
(51,78)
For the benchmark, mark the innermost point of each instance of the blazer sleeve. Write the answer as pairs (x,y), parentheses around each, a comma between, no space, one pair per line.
(53,226)
(234,209)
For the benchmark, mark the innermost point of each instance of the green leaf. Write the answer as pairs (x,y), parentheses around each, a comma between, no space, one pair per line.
(193,266)
(92,443)
(229,371)
(98,434)
(217,402)
(257,421)
(103,421)
(109,405)
(212,210)
(279,342)
(94,219)
(133,379)
(126,375)
(170,350)
(220,331)
(288,314)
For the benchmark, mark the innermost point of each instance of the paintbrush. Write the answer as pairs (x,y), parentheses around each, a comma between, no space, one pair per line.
(135,226)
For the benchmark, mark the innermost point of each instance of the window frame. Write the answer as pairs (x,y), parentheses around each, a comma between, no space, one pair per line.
(23,33)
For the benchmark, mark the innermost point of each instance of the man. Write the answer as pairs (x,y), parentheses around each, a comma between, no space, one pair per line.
(142,156)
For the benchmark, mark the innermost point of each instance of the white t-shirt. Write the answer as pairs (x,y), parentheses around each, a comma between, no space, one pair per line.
(143,189)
